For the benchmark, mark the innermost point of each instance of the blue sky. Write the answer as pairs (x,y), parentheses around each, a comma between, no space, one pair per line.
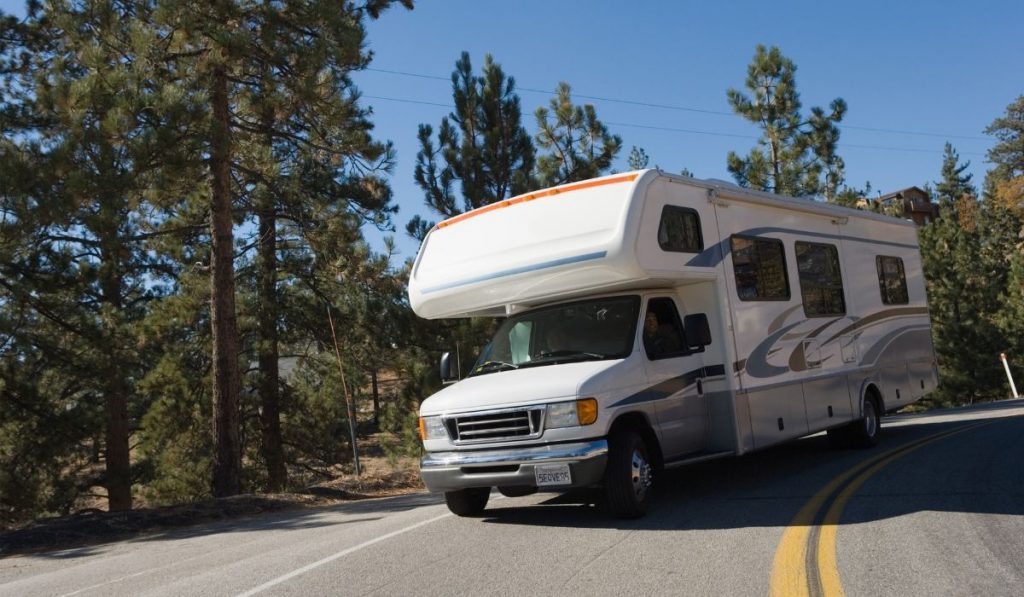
(941,69)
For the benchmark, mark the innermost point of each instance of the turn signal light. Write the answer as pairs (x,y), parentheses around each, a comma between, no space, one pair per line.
(586,411)
(423,430)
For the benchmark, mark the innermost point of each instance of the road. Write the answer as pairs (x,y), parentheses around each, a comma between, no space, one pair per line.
(937,508)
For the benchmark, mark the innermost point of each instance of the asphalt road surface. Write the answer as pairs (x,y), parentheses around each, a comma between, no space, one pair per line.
(937,508)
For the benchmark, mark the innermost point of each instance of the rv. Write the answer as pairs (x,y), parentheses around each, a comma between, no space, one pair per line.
(651,321)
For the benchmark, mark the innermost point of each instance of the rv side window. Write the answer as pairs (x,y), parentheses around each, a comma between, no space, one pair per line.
(679,230)
(821,282)
(892,280)
(760,268)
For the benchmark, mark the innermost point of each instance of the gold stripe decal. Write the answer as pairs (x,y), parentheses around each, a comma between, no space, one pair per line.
(579,186)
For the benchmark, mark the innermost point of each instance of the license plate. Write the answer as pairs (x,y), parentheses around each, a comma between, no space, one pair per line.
(552,474)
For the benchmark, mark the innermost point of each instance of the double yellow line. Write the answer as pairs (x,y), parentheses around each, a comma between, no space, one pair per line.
(805,560)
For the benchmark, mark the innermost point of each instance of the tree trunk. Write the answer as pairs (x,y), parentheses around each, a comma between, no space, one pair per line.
(376,398)
(119,474)
(227,459)
(270,417)
(116,389)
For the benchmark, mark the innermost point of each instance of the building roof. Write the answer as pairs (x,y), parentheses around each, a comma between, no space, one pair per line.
(902,193)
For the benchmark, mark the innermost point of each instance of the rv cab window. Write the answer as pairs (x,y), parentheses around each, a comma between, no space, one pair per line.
(663,334)
(589,330)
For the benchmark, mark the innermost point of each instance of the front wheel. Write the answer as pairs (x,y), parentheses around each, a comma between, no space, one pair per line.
(468,502)
(628,477)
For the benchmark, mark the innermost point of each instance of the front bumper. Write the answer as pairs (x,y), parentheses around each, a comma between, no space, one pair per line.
(450,471)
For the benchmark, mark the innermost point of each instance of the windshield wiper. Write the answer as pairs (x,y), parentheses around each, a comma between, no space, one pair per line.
(568,355)
(492,366)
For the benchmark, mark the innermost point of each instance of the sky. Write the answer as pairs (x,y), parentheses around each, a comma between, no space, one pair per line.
(914,75)
(923,73)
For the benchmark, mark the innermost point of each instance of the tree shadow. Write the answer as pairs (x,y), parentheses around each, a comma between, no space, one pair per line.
(974,472)
(73,537)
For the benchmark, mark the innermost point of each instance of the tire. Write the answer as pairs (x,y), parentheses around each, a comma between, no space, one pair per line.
(468,502)
(864,432)
(628,476)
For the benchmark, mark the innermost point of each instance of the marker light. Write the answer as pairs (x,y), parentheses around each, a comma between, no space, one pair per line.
(432,428)
(586,411)
(571,414)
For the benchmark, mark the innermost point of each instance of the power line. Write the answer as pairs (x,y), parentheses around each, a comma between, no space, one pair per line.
(687,131)
(679,108)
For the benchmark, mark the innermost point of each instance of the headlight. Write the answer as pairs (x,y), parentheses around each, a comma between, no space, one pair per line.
(432,428)
(571,414)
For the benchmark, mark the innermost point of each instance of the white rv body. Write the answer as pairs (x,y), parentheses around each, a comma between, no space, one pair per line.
(781,363)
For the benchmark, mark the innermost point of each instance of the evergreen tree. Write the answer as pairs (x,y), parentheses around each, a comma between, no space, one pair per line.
(956,182)
(1004,197)
(795,156)
(93,138)
(1005,182)
(578,145)
(481,147)
(966,267)
(276,78)
(638,159)
(1008,153)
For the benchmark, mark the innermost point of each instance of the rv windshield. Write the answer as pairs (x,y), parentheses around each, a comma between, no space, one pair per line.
(582,331)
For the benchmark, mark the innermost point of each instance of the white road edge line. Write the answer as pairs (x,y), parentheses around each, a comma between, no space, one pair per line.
(340,554)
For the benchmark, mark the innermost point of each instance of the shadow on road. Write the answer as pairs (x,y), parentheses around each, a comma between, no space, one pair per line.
(977,471)
(86,536)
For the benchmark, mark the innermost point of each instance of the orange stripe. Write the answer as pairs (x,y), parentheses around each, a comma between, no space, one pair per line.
(537,195)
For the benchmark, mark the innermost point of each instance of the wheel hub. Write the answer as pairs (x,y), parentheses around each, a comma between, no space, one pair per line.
(641,474)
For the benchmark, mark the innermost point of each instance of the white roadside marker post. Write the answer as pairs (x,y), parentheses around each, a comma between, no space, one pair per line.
(1006,366)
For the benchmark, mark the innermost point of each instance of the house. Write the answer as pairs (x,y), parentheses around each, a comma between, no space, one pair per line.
(916,203)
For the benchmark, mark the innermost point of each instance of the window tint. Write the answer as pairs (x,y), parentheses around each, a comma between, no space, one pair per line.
(821,282)
(760,268)
(892,280)
(663,334)
(679,230)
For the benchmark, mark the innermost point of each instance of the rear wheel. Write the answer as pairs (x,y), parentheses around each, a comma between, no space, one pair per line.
(864,432)
(468,502)
(628,477)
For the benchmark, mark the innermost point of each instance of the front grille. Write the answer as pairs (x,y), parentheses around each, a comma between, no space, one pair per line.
(498,425)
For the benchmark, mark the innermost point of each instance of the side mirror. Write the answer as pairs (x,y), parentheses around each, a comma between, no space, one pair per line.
(448,374)
(698,332)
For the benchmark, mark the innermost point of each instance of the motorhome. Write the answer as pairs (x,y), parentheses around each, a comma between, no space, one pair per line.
(649,320)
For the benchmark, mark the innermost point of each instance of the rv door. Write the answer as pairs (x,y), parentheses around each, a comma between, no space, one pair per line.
(674,374)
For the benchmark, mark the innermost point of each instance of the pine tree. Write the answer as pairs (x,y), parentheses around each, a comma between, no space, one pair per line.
(955,182)
(964,255)
(795,156)
(483,153)
(1005,182)
(276,77)
(578,145)
(638,159)
(93,137)
(1008,153)
(1004,198)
